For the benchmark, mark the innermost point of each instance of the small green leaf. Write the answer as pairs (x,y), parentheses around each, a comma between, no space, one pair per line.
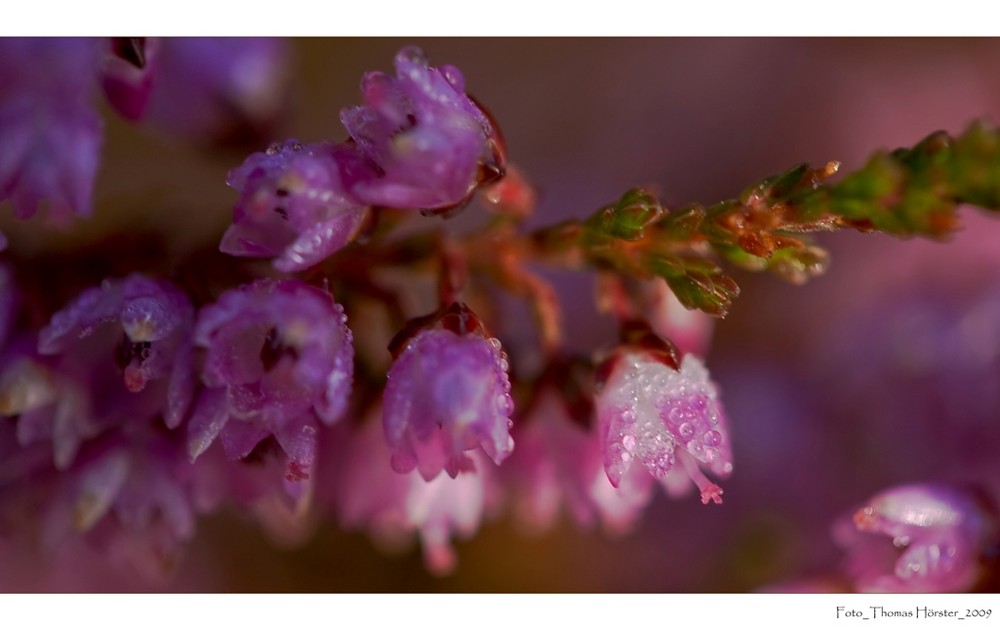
(697,282)
(627,218)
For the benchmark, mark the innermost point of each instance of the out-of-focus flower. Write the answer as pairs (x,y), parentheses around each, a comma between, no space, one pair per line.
(922,538)
(128,73)
(221,89)
(432,144)
(447,393)
(371,495)
(96,362)
(555,461)
(292,206)
(51,135)
(279,355)
(652,413)
(130,493)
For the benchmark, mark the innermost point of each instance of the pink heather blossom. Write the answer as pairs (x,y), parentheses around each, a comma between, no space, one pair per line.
(432,144)
(220,89)
(129,493)
(558,464)
(279,359)
(921,538)
(128,72)
(554,463)
(447,394)
(51,134)
(293,206)
(118,355)
(394,507)
(652,415)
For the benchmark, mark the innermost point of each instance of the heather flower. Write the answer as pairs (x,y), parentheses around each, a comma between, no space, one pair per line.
(150,321)
(921,538)
(223,89)
(278,356)
(128,72)
(555,460)
(51,135)
(654,414)
(292,206)
(130,493)
(117,355)
(447,393)
(432,144)
(371,495)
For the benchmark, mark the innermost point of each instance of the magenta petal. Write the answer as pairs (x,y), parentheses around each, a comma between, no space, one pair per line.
(298,439)
(239,437)
(99,486)
(180,388)
(207,420)
(92,308)
(320,241)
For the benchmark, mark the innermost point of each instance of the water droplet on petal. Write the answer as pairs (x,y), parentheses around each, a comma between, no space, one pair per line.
(686,431)
(712,438)
(628,442)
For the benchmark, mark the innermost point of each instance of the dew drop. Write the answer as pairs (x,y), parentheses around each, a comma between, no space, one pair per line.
(504,365)
(712,438)
(686,430)
(505,404)
(495,343)
(711,454)
(628,442)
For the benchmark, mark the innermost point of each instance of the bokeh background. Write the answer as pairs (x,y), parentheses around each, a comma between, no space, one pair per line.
(884,371)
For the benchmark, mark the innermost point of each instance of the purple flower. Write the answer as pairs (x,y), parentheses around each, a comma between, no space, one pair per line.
(51,135)
(278,354)
(152,321)
(554,463)
(118,355)
(370,495)
(652,414)
(132,493)
(128,73)
(922,538)
(446,394)
(218,89)
(292,206)
(432,144)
